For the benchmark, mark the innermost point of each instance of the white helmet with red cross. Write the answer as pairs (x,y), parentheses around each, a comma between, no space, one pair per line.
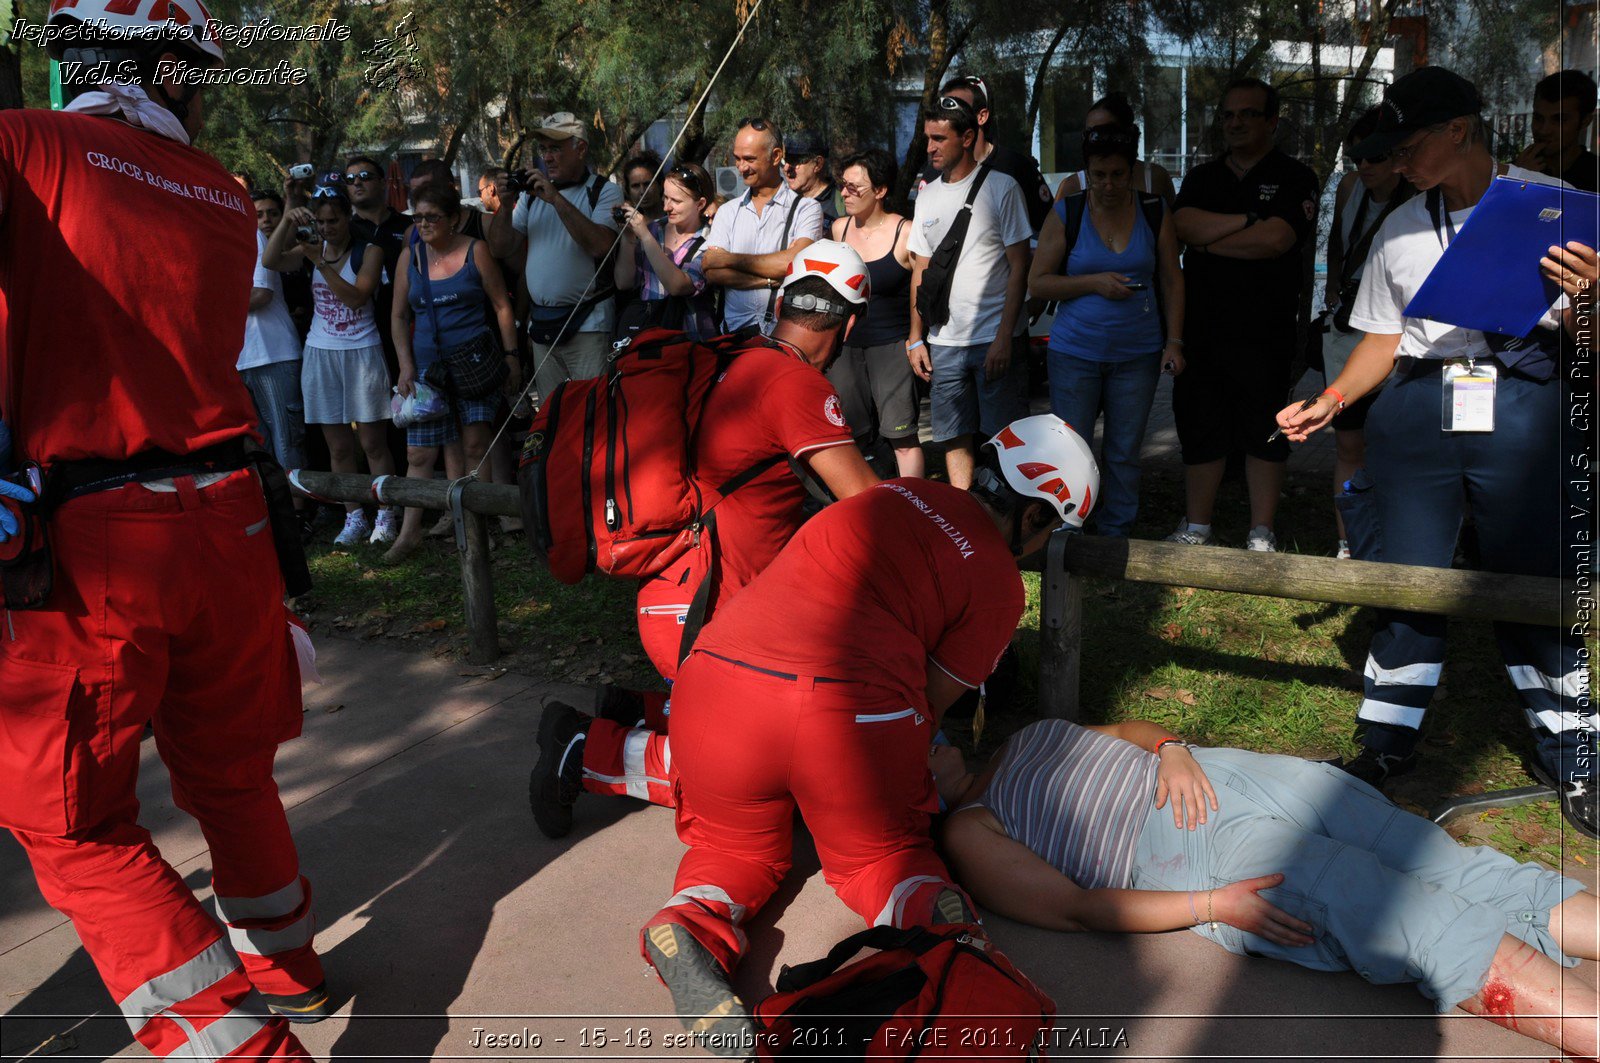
(1042,457)
(836,263)
(183,26)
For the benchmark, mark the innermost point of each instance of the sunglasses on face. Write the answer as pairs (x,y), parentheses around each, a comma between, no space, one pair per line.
(1374,160)
(1247,112)
(361,175)
(430,219)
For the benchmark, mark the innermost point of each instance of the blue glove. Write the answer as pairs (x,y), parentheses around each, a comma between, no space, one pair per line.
(9,524)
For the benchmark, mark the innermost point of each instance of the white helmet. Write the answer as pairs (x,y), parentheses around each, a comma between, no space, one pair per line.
(836,263)
(1042,457)
(184,25)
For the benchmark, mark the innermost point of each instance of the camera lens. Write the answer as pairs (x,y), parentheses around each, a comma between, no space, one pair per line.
(619,214)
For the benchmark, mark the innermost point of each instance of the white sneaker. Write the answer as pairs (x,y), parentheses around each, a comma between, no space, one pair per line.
(1261,540)
(387,529)
(356,529)
(1343,553)
(445,525)
(1191,538)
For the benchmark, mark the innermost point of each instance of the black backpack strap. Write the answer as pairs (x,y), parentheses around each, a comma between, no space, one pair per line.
(595,187)
(1072,208)
(788,221)
(915,940)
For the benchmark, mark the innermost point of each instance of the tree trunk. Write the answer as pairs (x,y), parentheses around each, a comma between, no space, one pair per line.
(11,77)
(943,45)
(1040,72)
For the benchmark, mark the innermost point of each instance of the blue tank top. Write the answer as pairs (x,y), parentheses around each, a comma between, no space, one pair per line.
(458,301)
(1098,329)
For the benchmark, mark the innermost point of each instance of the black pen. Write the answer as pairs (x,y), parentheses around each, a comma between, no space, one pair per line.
(1304,406)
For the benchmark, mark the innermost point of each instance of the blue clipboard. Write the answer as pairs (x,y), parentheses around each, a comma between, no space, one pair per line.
(1489,277)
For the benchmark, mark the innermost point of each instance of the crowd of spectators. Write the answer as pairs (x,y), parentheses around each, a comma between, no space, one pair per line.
(1127,275)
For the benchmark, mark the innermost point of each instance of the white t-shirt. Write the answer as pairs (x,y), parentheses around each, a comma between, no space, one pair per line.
(558,270)
(1403,254)
(335,326)
(269,333)
(978,289)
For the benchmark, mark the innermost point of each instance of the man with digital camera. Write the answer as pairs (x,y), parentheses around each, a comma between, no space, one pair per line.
(564,217)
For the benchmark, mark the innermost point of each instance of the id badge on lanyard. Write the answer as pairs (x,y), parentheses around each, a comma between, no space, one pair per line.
(1468,397)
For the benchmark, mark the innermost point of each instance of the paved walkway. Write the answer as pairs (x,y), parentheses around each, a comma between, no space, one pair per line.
(446,917)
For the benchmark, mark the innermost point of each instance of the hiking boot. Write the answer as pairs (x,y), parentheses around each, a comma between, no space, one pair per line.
(387,529)
(1578,800)
(951,907)
(701,993)
(1261,540)
(557,779)
(620,706)
(1191,538)
(311,1006)
(356,529)
(1375,769)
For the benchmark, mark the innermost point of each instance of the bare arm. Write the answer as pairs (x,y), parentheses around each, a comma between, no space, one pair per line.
(772,265)
(1198,227)
(1161,183)
(260,298)
(1047,278)
(502,237)
(1069,185)
(400,323)
(673,279)
(494,287)
(1368,366)
(282,252)
(368,276)
(1170,276)
(842,468)
(916,346)
(594,238)
(1268,238)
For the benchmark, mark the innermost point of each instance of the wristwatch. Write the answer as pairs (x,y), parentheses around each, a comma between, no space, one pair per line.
(1250,218)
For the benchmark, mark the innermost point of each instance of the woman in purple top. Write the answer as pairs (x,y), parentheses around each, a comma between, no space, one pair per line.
(1120,319)
(1266,856)
(661,260)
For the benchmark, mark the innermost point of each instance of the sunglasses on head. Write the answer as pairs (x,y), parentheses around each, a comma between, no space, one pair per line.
(1107,135)
(758,124)
(361,175)
(976,83)
(326,192)
(690,180)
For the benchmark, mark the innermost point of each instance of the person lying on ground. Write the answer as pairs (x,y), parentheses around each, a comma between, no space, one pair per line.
(1070,828)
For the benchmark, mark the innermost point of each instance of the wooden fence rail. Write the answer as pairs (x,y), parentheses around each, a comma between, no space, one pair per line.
(1069,559)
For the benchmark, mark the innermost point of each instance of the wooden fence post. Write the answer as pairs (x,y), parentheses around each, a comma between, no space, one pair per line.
(1060,632)
(477,581)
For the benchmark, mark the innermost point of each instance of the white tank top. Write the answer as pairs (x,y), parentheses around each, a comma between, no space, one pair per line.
(1348,237)
(335,326)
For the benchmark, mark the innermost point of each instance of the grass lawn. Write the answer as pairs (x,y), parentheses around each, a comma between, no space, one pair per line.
(1220,669)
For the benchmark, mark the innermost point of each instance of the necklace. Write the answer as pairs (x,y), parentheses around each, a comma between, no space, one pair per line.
(790,348)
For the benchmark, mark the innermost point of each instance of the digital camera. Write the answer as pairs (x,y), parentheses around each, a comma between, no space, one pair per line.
(300,171)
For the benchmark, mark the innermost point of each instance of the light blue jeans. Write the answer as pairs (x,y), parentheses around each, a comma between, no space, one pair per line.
(275,387)
(1391,895)
(1080,391)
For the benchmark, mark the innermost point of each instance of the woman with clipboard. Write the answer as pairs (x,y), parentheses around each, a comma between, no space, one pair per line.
(1467,417)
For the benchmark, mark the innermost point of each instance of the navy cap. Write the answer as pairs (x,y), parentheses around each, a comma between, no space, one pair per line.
(1420,99)
(803,143)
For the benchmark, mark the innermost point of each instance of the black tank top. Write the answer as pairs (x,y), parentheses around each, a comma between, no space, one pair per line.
(888,315)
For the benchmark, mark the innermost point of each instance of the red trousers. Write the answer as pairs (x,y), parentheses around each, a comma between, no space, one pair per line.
(749,748)
(167,607)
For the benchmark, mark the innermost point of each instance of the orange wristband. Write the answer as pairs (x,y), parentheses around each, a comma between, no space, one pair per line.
(1336,396)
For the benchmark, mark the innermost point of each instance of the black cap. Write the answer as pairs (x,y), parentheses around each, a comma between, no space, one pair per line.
(1420,99)
(804,143)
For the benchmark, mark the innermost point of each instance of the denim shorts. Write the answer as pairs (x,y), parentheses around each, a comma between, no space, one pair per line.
(963,402)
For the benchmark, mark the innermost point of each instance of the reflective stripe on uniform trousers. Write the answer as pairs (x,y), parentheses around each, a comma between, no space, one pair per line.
(1405,689)
(163,993)
(893,913)
(259,941)
(635,775)
(698,895)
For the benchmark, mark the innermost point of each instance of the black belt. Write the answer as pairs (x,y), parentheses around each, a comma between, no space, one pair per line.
(768,671)
(66,480)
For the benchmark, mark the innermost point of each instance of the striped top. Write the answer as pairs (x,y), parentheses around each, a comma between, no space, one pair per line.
(1077,798)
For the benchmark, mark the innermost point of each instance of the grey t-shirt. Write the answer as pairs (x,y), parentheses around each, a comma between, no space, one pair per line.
(558,270)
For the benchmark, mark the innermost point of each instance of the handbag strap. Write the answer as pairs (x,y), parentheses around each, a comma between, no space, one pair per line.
(419,262)
(915,940)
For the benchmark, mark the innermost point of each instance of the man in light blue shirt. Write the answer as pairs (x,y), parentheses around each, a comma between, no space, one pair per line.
(755,237)
(564,220)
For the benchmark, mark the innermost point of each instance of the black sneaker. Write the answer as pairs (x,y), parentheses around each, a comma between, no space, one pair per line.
(620,706)
(308,1007)
(1579,805)
(1375,769)
(701,993)
(557,779)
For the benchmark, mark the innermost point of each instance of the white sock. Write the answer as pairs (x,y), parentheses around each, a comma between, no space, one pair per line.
(1199,529)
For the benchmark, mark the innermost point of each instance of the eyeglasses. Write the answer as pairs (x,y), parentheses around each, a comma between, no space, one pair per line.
(956,103)
(853,190)
(552,147)
(1244,113)
(430,219)
(361,175)
(1404,153)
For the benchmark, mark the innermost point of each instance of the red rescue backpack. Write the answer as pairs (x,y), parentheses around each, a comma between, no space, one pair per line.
(607,471)
(929,992)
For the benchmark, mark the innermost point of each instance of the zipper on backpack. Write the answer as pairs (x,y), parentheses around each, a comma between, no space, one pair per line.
(588,480)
